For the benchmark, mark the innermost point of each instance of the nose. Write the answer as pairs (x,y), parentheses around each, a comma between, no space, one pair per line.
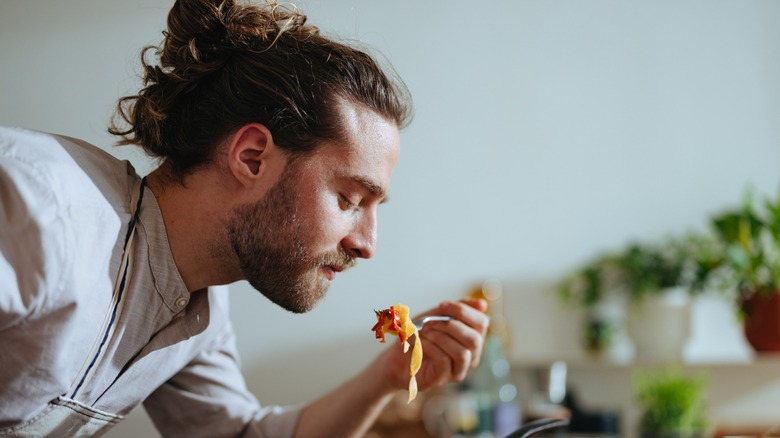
(361,240)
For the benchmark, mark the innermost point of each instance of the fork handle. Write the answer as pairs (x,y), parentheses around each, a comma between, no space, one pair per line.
(435,318)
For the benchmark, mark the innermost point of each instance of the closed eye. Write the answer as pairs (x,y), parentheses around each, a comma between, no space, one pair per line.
(346,204)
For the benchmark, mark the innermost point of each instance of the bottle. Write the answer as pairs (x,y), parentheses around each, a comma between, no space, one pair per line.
(492,383)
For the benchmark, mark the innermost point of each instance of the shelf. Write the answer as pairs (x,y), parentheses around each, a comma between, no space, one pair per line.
(762,360)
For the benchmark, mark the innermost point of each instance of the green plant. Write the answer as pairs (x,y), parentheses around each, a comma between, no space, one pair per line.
(643,268)
(639,269)
(751,236)
(672,404)
(598,333)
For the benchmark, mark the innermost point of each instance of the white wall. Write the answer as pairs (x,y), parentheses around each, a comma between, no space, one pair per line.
(545,131)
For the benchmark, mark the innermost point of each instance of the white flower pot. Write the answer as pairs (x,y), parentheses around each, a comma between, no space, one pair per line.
(660,326)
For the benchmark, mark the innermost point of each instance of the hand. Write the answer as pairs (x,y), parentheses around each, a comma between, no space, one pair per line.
(450,348)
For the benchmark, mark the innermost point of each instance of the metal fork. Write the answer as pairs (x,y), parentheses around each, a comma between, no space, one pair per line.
(419,323)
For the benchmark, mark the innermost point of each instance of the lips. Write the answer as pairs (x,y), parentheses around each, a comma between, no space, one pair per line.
(334,263)
(330,271)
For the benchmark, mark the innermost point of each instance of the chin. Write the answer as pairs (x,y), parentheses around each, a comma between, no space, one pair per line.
(299,298)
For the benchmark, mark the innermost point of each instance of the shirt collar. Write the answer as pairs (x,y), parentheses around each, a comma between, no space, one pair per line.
(167,281)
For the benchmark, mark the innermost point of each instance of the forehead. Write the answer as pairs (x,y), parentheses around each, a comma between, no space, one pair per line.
(367,132)
(368,150)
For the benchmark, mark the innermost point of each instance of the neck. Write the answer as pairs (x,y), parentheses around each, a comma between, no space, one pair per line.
(193,212)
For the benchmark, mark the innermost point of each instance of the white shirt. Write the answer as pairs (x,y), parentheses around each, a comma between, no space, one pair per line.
(65,207)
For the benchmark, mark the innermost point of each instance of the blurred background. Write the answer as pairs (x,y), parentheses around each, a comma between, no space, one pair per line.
(546,132)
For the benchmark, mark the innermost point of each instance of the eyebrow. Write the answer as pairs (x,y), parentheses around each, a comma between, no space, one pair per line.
(372,187)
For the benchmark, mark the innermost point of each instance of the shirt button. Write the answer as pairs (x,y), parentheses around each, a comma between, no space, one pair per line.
(181,302)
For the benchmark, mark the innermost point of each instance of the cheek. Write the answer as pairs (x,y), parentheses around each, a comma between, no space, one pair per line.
(326,224)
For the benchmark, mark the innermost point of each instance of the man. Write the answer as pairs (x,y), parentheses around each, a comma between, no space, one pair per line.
(276,147)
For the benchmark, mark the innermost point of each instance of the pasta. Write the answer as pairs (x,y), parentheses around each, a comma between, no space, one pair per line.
(396,321)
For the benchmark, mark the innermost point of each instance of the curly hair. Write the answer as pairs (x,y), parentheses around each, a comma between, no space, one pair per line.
(223,64)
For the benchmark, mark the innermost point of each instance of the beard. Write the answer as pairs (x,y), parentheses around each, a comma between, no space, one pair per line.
(273,248)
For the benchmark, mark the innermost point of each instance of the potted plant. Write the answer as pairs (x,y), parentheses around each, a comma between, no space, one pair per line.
(751,262)
(589,288)
(656,279)
(671,403)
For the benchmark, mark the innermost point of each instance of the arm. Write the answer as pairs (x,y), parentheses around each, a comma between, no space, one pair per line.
(209,398)
(450,350)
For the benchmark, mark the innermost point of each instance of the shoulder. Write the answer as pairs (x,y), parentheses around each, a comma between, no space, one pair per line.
(62,204)
(28,206)
(24,156)
(64,166)
(48,178)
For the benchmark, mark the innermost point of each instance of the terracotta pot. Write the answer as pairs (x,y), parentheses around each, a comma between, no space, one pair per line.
(762,321)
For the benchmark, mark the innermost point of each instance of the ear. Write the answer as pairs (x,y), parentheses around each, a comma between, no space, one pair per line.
(249,153)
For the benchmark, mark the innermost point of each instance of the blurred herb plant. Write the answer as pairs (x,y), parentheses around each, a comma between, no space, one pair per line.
(672,404)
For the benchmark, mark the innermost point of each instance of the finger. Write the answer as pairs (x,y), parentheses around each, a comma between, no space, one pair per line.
(477,303)
(468,326)
(471,316)
(436,369)
(465,336)
(459,357)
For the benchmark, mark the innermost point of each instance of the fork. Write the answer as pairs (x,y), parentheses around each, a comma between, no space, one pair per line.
(419,323)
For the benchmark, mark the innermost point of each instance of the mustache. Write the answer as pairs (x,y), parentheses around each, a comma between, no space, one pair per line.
(340,260)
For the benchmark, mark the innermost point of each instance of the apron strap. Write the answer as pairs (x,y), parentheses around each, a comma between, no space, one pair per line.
(116,299)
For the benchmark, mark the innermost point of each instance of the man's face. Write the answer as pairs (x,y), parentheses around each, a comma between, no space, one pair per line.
(320,216)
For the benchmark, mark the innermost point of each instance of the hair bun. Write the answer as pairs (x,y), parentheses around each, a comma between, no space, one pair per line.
(204,31)
(196,32)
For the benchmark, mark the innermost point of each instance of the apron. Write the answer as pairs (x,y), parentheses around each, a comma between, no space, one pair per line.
(65,416)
